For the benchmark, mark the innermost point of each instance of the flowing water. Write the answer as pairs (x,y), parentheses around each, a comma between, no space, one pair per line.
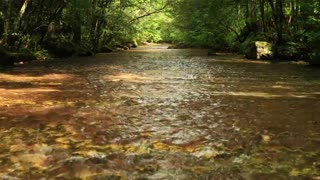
(154,113)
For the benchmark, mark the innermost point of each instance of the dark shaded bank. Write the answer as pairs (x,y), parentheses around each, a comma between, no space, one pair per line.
(262,50)
(10,58)
(52,49)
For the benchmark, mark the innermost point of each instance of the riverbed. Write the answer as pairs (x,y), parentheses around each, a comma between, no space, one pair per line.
(155,113)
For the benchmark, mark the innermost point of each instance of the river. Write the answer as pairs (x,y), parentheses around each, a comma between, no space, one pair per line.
(155,113)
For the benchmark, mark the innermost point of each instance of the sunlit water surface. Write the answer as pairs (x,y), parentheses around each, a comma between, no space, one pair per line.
(154,113)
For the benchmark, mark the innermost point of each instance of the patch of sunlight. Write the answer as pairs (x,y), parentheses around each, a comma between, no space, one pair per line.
(128,78)
(51,103)
(91,154)
(152,47)
(37,156)
(260,95)
(300,172)
(314,93)
(37,160)
(166,147)
(152,50)
(29,78)
(207,153)
(49,84)
(8,102)
(198,151)
(132,148)
(281,87)
(66,140)
(200,169)
(27,90)
(145,147)
(22,96)
(233,60)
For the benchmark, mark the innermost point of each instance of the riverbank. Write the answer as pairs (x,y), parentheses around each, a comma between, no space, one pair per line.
(10,59)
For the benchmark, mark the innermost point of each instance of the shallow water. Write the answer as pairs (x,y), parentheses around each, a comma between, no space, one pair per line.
(154,113)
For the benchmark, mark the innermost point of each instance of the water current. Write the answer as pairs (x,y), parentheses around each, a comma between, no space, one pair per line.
(155,113)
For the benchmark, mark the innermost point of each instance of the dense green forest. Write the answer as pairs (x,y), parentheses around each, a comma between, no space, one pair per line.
(291,26)
(64,28)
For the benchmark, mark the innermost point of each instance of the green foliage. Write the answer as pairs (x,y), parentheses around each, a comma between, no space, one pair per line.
(290,25)
(41,54)
(154,28)
(25,55)
(205,23)
(57,25)
(95,24)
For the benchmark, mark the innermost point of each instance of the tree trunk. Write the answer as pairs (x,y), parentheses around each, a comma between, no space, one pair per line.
(262,14)
(76,28)
(280,21)
(1,28)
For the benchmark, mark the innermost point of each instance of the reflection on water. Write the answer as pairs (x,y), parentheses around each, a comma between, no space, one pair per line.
(155,113)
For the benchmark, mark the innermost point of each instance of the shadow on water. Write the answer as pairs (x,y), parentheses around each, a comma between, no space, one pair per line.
(155,113)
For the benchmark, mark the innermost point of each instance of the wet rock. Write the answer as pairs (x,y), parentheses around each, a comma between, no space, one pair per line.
(74,159)
(5,177)
(93,154)
(37,160)
(241,159)
(266,138)
(185,136)
(172,173)
(206,153)
(163,174)
(18,148)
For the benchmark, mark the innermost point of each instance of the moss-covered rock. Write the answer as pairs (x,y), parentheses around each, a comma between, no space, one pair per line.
(261,50)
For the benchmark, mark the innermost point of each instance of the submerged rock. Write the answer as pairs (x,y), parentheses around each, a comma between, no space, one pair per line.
(207,152)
